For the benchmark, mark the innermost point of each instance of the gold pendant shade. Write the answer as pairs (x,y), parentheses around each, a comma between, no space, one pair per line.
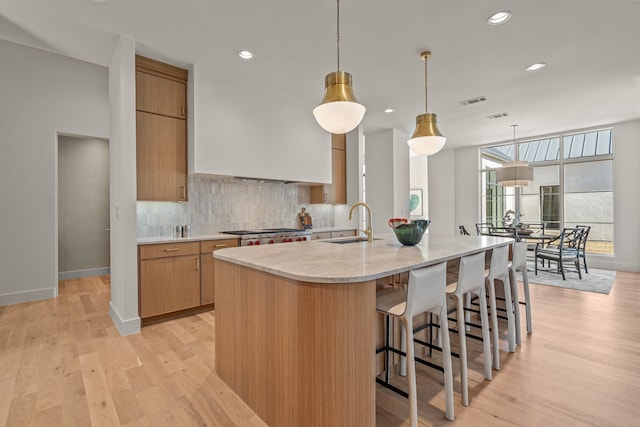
(339,112)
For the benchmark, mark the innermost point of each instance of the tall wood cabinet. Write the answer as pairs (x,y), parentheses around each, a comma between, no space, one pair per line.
(336,192)
(161,131)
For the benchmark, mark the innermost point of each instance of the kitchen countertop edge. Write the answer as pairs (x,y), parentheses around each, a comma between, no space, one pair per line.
(324,262)
(168,239)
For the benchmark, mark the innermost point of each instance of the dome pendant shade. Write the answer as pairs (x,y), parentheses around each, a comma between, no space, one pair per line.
(427,139)
(339,111)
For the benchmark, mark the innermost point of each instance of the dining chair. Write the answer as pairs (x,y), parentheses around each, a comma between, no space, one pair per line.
(582,247)
(564,249)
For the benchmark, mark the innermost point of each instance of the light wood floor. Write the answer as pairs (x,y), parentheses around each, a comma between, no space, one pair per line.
(63,363)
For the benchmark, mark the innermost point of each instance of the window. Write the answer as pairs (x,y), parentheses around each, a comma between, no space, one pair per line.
(550,206)
(572,184)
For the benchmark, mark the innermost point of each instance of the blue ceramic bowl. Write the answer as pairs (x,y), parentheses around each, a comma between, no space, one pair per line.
(411,233)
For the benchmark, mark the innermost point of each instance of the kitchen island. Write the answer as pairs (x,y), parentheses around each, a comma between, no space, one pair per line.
(296,323)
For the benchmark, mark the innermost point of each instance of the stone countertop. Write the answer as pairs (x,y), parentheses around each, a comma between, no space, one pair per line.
(169,239)
(325,262)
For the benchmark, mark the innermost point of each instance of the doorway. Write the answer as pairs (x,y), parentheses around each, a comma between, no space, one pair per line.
(83,207)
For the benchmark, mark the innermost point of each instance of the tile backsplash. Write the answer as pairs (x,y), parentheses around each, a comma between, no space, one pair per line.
(218,204)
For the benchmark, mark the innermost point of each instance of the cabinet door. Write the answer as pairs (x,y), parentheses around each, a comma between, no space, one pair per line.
(169,284)
(161,157)
(336,192)
(207,288)
(159,95)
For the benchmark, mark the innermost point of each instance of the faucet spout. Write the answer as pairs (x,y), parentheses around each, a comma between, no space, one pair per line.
(369,230)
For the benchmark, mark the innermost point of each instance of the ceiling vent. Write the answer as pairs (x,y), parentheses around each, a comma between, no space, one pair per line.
(473,100)
(497,116)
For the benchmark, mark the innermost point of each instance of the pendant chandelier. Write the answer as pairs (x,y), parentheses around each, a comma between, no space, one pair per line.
(514,174)
(426,139)
(339,112)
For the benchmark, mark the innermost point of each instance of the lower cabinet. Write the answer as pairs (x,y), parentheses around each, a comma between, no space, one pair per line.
(207,293)
(169,278)
(175,279)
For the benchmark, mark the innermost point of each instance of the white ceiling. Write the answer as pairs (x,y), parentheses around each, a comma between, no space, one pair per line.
(591,47)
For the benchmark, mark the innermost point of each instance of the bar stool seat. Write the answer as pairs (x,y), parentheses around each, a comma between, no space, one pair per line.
(425,293)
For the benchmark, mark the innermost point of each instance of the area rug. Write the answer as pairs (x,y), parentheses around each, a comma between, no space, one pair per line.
(599,281)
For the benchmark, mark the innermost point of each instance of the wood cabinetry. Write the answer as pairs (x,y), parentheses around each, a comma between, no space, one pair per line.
(207,293)
(161,131)
(169,278)
(336,192)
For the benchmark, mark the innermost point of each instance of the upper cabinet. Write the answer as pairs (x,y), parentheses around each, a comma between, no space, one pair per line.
(161,131)
(161,95)
(336,192)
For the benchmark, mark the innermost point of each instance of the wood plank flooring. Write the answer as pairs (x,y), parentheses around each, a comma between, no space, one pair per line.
(63,363)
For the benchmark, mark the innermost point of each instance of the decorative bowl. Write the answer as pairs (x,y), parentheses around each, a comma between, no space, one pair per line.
(407,232)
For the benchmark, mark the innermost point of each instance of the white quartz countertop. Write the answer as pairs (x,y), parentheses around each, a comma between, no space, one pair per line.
(325,262)
(169,239)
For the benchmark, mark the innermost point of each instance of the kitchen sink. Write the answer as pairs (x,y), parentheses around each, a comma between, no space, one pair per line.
(352,240)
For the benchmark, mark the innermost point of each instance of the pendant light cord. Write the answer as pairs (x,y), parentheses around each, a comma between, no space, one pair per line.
(338,32)
(426,109)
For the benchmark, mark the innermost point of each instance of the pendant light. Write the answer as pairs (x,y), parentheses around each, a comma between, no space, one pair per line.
(339,112)
(426,139)
(514,174)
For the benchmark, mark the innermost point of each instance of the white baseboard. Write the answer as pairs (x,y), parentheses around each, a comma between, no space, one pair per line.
(612,265)
(27,296)
(78,274)
(125,327)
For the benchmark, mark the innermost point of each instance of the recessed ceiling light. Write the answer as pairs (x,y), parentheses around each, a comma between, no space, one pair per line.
(245,54)
(537,66)
(389,110)
(499,17)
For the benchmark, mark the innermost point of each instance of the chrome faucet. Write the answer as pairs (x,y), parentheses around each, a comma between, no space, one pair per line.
(369,230)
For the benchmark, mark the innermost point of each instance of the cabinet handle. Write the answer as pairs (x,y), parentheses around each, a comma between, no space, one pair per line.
(220,245)
(182,110)
(172,250)
(324,197)
(198,264)
(184,192)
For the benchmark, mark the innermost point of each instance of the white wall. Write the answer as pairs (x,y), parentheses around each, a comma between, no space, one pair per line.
(442,193)
(387,177)
(453,189)
(123,307)
(43,94)
(243,129)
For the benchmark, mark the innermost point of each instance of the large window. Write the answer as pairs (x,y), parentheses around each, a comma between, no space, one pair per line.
(572,185)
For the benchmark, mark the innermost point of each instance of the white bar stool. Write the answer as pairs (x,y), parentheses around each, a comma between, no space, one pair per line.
(471,281)
(499,270)
(519,263)
(426,292)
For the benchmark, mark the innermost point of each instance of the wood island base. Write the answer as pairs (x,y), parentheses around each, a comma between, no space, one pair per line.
(298,353)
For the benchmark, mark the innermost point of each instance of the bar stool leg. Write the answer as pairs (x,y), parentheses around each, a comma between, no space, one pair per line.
(464,380)
(527,299)
(494,325)
(446,356)
(411,373)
